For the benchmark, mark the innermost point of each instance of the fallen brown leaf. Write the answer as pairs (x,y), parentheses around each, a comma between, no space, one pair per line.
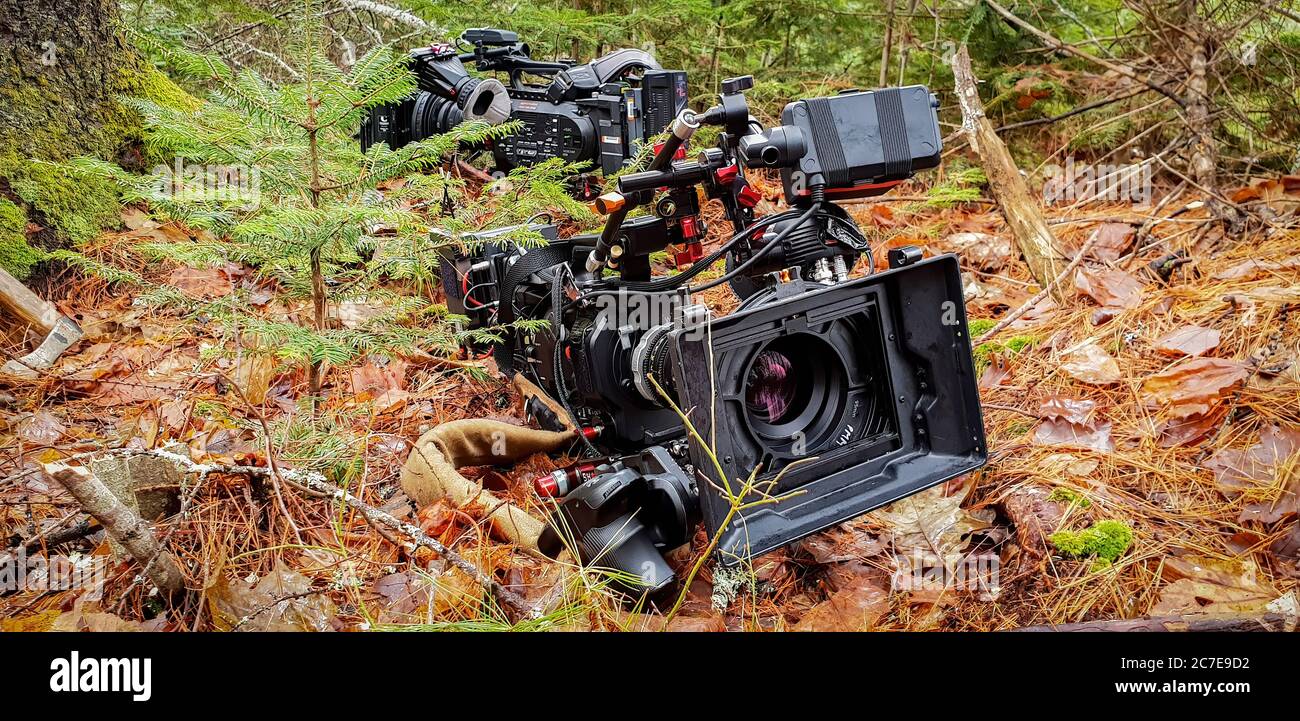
(1190,340)
(1089,363)
(1193,386)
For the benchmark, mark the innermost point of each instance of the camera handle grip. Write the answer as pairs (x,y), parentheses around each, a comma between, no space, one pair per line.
(683,127)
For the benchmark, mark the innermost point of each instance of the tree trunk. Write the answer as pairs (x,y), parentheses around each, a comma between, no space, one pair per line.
(63,65)
(1203,162)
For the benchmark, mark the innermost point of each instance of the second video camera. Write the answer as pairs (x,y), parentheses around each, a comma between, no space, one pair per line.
(600,112)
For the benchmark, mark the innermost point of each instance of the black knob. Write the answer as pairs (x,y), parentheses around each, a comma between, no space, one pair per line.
(731,86)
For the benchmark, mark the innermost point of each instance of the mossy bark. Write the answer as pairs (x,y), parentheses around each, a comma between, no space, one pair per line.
(63,66)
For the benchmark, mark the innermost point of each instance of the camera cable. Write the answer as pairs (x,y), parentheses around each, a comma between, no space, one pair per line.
(557,325)
(673,282)
(761,252)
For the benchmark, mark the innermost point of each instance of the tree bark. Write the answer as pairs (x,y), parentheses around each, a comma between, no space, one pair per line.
(1203,162)
(63,66)
(64,61)
(1018,206)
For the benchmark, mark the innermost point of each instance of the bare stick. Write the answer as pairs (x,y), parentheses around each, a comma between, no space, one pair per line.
(316,483)
(1038,297)
(1031,233)
(124,525)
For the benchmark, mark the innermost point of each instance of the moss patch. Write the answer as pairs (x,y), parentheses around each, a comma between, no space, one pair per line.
(16,255)
(1069,496)
(1010,347)
(1103,541)
(40,132)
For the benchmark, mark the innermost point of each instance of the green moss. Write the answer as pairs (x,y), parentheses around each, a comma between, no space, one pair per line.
(980,326)
(1019,428)
(76,207)
(16,255)
(47,129)
(961,184)
(1069,496)
(1103,541)
(1011,346)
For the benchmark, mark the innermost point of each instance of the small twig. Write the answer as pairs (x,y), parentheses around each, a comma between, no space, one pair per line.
(1040,295)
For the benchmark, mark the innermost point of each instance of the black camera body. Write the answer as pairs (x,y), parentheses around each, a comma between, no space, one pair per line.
(600,112)
(841,394)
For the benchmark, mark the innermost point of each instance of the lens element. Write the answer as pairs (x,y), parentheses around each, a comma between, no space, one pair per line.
(770,386)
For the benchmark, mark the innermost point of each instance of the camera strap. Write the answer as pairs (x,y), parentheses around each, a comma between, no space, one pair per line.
(892,123)
(829,150)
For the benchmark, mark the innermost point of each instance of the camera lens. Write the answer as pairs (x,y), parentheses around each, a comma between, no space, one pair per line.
(794,389)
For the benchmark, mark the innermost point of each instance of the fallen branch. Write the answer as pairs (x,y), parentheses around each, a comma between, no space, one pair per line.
(124,525)
(1030,232)
(41,315)
(1071,113)
(1266,622)
(314,482)
(1011,317)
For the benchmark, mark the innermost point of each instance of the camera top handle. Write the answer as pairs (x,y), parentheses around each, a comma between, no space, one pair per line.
(496,49)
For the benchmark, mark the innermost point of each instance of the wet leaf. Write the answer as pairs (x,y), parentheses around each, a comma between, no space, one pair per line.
(201,283)
(254,374)
(1073,410)
(281,601)
(375,378)
(1064,433)
(1189,430)
(1252,267)
(929,522)
(1269,469)
(997,372)
(840,544)
(41,428)
(1110,288)
(1112,241)
(1033,516)
(174,414)
(854,607)
(1190,340)
(986,252)
(1194,386)
(1207,585)
(1089,363)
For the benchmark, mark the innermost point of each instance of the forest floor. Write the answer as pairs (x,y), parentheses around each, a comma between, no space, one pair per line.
(1163,397)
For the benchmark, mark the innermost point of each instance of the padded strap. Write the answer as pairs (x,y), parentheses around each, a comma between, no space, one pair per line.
(829,151)
(893,132)
(531,262)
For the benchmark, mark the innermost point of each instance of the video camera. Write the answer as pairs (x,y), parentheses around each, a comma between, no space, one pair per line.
(845,394)
(601,112)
